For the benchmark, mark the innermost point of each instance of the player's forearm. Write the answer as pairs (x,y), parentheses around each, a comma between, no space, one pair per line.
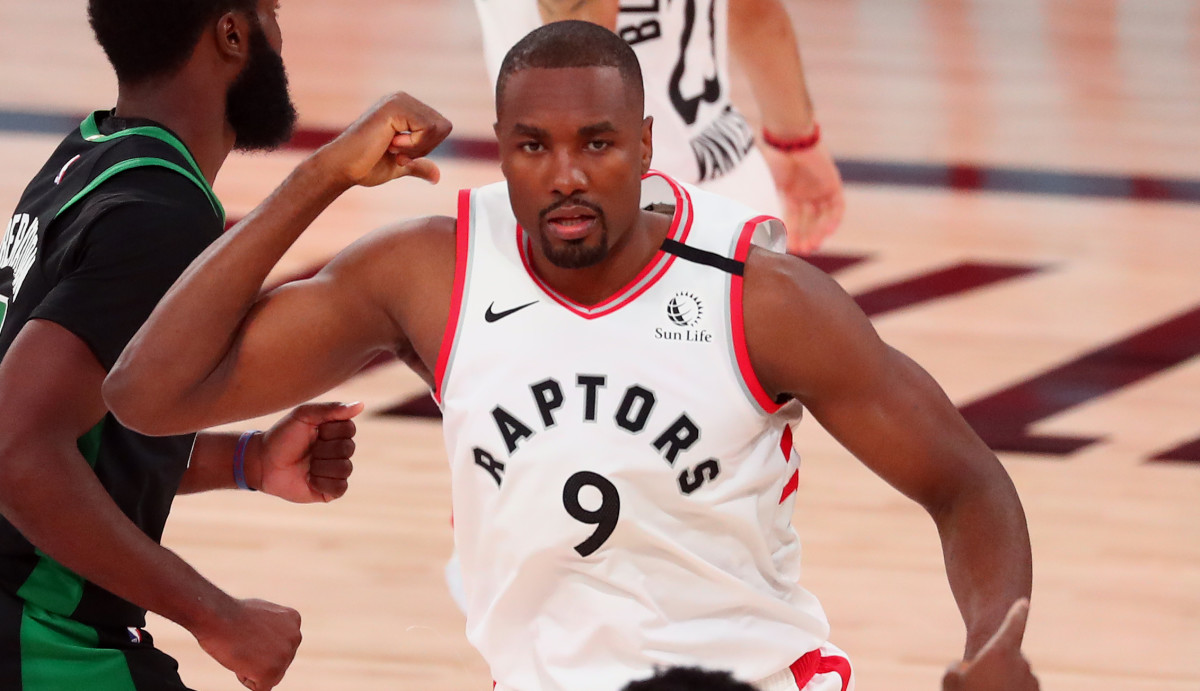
(985,542)
(211,464)
(763,42)
(602,12)
(177,365)
(51,496)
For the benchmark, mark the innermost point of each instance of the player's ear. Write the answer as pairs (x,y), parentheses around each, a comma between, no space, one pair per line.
(232,35)
(647,143)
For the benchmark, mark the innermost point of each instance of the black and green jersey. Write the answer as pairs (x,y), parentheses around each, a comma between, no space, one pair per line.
(115,215)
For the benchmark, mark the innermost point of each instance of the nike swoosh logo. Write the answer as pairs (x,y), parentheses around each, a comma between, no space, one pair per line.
(489,316)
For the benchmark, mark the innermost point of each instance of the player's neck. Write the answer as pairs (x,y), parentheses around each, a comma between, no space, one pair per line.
(196,116)
(627,257)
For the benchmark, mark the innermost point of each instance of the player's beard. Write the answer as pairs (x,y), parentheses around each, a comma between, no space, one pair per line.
(575,254)
(258,105)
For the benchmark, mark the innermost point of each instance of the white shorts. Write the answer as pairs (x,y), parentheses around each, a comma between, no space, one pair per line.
(825,669)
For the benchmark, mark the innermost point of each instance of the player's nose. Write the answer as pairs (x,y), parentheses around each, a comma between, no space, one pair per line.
(568,176)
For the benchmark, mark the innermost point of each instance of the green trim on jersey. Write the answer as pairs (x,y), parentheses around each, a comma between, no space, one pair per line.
(59,653)
(3,310)
(140,163)
(50,584)
(90,132)
(89,443)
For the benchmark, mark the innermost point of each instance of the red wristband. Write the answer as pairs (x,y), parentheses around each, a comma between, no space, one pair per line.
(790,145)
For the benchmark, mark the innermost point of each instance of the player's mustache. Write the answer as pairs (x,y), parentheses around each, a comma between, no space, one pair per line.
(571,201)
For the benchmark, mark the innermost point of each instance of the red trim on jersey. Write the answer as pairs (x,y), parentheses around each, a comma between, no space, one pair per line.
(792,485)
(839,664)
(739,327)
(814,663)
(58,180)
(462,234)
(623,296)
(804,669)
(785,445)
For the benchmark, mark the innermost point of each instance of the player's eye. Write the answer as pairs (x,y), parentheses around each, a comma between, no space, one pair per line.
(530,147)
(598,144)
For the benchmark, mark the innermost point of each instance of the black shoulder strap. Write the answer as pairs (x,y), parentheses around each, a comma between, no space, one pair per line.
(698,256)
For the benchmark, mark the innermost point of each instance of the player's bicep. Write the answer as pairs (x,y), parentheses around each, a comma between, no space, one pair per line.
(298,341)
(816,345)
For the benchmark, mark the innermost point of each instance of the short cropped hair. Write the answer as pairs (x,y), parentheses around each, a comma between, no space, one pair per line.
(572,43)
(151,38)
(689,679)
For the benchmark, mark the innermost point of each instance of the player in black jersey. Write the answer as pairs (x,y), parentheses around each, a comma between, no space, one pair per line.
(117,212)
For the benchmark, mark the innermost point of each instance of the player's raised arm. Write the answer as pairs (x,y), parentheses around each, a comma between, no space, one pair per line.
(763,43)
(807,339)
(213,352)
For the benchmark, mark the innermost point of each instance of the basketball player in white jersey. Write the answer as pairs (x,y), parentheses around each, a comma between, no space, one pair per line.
(699,135)
(618,358)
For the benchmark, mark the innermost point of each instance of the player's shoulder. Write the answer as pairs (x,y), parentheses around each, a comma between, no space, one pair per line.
(426,232)
(162,190)
(400,250)
(780,285)
(484,201)
(800,325)
(160,193)
(145,206)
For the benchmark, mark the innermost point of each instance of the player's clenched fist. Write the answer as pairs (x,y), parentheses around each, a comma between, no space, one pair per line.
(388,141)
(305,457)
(254,639)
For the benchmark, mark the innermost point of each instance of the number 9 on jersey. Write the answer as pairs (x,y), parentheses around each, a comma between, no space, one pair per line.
(604,517)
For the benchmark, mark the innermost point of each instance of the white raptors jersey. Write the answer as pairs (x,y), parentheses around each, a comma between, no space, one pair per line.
(622,484)
(682,47)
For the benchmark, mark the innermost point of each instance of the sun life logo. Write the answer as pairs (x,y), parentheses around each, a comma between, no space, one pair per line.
(684,309)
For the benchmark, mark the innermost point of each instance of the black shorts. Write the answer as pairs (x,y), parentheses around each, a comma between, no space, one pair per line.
(43,651)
